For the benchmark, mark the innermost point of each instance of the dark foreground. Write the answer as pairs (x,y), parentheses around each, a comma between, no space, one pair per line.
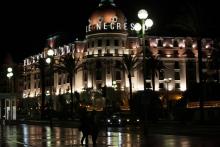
(44,136)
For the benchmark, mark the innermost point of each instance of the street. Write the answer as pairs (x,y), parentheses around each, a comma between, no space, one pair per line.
(43,136)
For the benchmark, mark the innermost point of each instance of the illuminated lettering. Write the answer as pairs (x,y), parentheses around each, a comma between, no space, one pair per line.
(112,26)
(105,26)
(98,26)
(132,26)
(125,26)
(118,26)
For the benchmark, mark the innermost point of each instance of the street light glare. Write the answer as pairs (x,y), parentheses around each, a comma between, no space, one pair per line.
(149,23)
(9,69)
(50,52)
(9,75)
(48,60)
(137,27)
(142,14)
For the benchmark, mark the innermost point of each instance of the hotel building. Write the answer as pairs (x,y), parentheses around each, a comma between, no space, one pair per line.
(108,38)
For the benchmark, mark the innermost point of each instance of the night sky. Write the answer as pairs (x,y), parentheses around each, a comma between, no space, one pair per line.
(25,25)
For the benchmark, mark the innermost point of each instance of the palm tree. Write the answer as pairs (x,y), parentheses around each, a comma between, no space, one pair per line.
(155,65)
(41,64)
(130,64)
(70,65)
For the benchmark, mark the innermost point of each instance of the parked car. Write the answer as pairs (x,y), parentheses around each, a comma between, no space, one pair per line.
(114,120)
(120,119)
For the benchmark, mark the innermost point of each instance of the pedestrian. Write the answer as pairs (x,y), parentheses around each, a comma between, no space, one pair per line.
(84,126)
(94,127)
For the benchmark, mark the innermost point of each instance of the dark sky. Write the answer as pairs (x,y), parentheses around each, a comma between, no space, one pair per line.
(25,25)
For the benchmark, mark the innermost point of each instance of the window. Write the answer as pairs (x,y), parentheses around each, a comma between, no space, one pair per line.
(68,79)
(60,81)
(116,43)
(98,75)
(99,43)
(98,64)
(118,75)
(161,75)
(176,65)
(116,52)
(148,85)
(160,44)
(93,43)
(175,43)
(99,52)
(161,86)
(177,76)
(177,85)
(107,42)
(114,19)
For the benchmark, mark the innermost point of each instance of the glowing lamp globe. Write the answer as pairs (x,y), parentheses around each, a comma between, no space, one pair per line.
(137,27)
(9,69)
(48,60)
(142,14)
(50,52)
(149,23)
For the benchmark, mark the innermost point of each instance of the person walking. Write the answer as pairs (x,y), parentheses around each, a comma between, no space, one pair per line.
(94,127)
(84,126)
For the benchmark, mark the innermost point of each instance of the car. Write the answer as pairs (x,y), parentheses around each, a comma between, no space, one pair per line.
(114,120)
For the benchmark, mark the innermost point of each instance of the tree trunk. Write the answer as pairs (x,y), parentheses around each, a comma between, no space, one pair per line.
(153,79)
(42,72)
(201,99)
(130,85)
(71,94)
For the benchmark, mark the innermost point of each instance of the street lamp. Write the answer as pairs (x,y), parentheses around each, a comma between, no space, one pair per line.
(145,25)
(49,60)
(10,88)
(167,81)
(114,85)
(9,75)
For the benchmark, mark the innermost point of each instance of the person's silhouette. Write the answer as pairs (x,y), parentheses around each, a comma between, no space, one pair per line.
(84,126)
(94,127)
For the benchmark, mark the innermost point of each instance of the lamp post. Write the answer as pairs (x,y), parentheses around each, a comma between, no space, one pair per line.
(10,87)
(49,60)
(9,75)
(167,81)
(145,25)
(114,85)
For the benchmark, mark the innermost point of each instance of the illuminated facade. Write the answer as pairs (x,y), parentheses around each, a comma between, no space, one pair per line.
(108,38)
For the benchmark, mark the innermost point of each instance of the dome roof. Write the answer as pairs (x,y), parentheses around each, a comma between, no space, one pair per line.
(107,13)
